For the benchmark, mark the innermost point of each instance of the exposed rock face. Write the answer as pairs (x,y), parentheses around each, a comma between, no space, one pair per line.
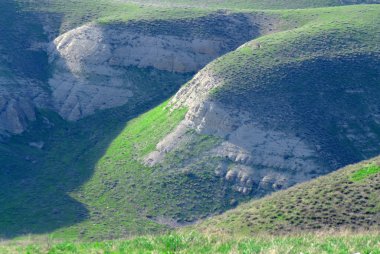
(264,159)
(89,64)
(15,115)
(89,61)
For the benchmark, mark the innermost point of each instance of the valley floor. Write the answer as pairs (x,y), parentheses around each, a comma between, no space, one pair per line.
(318,243)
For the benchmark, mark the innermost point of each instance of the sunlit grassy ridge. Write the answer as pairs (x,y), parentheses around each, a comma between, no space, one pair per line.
(74,13)
(337,200)
(339,243)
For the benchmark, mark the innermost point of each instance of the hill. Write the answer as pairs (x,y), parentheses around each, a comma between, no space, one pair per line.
(345,199)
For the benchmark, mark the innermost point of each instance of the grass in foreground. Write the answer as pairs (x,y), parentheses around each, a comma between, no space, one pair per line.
(197,243)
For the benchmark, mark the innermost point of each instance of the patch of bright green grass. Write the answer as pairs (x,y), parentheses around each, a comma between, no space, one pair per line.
(365,172)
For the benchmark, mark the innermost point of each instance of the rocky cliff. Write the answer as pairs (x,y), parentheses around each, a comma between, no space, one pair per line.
(90,62)
(93,67)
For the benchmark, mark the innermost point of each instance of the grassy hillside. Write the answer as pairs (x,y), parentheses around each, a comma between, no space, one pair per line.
(340,243)
(89,180)
(346,199)
(336,56)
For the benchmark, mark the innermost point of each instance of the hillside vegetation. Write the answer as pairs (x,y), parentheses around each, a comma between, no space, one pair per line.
(345,199)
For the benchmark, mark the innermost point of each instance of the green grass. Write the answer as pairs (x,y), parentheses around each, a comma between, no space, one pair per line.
(365,172)
(339,243)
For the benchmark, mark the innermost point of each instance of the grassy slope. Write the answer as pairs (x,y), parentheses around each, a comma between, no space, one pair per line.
(348,198)
(323,32)
(202,244)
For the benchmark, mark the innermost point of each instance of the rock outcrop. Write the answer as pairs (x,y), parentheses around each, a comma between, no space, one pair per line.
(15,114)
(268,141)
(19,100)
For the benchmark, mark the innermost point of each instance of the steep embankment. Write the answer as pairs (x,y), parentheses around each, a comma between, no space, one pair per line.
(346,199)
